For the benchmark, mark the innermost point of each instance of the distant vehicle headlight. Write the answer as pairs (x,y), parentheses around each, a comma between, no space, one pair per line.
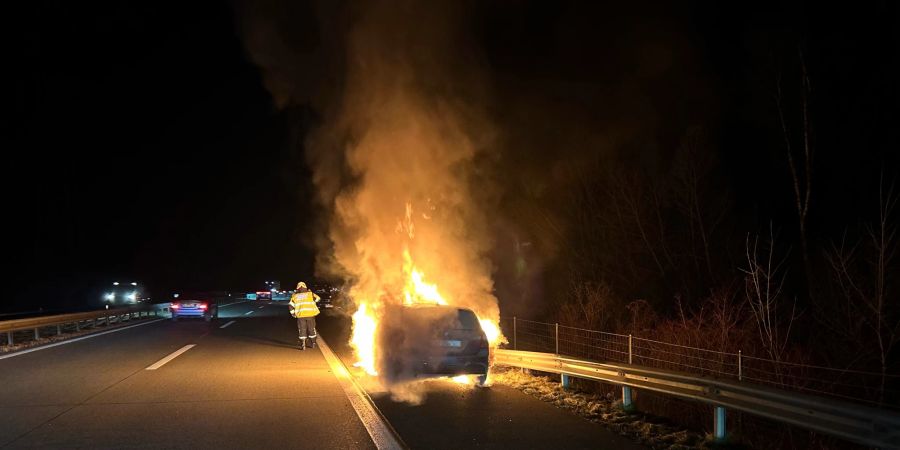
(110,296)
(132,296)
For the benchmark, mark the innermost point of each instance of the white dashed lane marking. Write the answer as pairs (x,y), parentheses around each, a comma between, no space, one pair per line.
(172,356)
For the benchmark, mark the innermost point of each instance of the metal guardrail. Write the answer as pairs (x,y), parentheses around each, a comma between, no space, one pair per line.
(79,320)
(862,424)
(879,390)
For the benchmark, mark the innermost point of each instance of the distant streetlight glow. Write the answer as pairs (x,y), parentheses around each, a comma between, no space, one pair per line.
(115,283)
(111,296)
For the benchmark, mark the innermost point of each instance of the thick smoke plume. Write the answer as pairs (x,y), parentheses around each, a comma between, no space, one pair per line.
(412,144)
(417,107)
(400,158)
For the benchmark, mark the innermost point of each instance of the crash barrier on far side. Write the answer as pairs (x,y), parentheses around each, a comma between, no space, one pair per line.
(56,323)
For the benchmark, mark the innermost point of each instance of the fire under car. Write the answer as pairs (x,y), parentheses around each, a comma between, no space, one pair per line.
(430,341)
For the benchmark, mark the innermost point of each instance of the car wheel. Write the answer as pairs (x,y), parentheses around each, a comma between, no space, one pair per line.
(481,380)
(174,318)
(207,318)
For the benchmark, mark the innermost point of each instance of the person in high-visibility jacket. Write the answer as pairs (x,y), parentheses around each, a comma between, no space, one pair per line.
(304,308)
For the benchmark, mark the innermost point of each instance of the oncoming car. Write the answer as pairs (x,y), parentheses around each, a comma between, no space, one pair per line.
(194,306)
(430,341)
(123,294)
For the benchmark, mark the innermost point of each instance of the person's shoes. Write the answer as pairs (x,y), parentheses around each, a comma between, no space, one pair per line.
(313,345)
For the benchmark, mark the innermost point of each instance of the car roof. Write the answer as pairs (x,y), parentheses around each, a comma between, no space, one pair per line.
(465,318)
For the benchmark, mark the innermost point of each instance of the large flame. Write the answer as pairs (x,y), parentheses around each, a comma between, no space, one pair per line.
(363,338)
(415,291)
(492,331)
(402,165)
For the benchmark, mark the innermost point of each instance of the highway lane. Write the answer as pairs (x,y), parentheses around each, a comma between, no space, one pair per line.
(246,386)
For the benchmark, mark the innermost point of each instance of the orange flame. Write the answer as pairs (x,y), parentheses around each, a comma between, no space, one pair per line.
(416,289)
(363,338)
(492,331)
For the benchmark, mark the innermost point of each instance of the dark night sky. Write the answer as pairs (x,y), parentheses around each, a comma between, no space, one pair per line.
(149,151)
(146,145)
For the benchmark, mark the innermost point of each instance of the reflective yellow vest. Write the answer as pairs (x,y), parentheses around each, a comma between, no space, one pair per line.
(303,304)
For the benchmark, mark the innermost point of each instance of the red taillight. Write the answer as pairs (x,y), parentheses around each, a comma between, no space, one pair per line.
(175,306)
(203,306)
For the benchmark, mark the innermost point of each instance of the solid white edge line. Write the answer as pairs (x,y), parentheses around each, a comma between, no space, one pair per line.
(379,430)
(171,356)
(69,341)
(229,323)
(248,313)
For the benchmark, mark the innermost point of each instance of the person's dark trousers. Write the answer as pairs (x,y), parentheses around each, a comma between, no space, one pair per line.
(307,328)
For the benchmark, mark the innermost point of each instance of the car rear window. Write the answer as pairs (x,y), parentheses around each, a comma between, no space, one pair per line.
(467,319)
(443,316)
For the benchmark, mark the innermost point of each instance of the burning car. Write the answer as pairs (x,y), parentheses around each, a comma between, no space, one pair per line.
(426,341)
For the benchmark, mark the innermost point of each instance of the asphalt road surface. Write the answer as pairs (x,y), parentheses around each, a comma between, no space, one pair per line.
(241,383)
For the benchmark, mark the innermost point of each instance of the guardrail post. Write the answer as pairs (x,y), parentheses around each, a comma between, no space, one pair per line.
(565,381)
(9,338)
(719,423)
(77,325)
(627,404)
(629,349)
(557,338)
(58,330)
(37,334)
(515,341)
(740,369)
